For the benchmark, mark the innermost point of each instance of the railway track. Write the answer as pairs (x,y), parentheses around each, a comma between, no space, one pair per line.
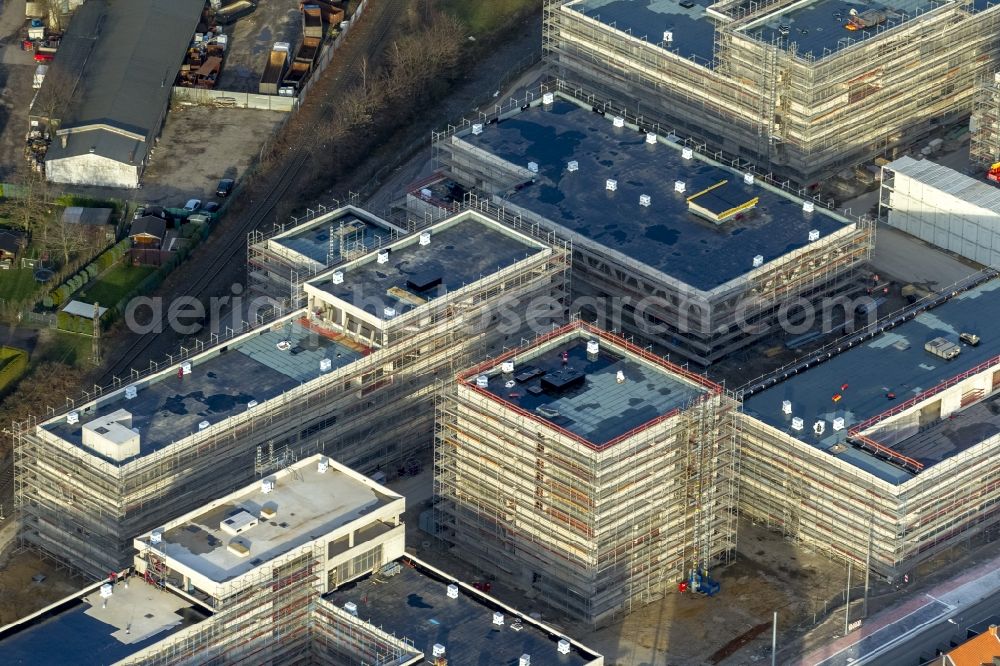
(369,39)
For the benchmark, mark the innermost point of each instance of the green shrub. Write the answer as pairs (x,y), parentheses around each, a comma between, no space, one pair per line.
(92,271)
(47,302)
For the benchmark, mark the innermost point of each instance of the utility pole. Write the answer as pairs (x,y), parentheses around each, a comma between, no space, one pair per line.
(95,350)
(774,638)
(847,594)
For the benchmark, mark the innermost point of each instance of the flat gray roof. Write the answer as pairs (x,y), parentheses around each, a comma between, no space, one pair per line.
(893,362)
(462,251)
(307,504)
(414,604)
(951,436)
(83,631)
(170,408)
(323,241)
(593,405)
(665,235)
(121,64)
(972,191)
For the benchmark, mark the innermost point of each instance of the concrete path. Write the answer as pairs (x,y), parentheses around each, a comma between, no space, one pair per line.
(887,629)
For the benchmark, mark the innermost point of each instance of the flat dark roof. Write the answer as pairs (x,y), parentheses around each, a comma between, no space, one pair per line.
(893,362)
(82,632)
(583,396)
(461,251)
(665,235)
(952,435)
(693,31)
(220,386)
(347,230)
(414,604)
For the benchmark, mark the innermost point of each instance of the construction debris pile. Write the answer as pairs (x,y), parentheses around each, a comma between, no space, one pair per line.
(285,74)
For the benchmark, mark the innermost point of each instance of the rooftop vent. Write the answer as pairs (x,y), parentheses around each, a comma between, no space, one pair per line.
(525,660)
(131,392)
(482,381)
(203,425)
(838,423)
(107,590)
(533,167)
(620,377)
(572,165)
(425,238)
(252,404)
(383,256)
(748,178)
(437,650)
(562,647)
(687,153)
(651,138)
(73,417)
(325,365)
(593,349)
(498,618)
(758,261)
(186,367)
(322,465)
(611,184)
(819,427)
(351,608)
(337,277)
(808,206)
(267,486)
(680,186)
(156,536)
(426,193)
(388,313)
(786,406)
(814,235)
(452,591)
(644,200)
(798,423)
(619,121)
(240,521)
(507,367)
(477,128)
(548,98)
(668,36)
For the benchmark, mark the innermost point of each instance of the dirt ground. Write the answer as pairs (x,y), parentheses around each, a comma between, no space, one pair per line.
(20,596)
(251,39)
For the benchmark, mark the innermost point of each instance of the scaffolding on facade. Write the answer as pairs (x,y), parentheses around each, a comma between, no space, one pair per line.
(601,529)
(984,149)
(780,105)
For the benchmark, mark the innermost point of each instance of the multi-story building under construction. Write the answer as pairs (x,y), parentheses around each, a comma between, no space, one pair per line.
(305,566)
(882,448)
(93,475)
(798,89)
(589,471)
(675,248)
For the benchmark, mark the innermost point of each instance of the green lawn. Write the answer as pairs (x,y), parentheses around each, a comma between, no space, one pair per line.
(17,284)
(485,16)
(114,284)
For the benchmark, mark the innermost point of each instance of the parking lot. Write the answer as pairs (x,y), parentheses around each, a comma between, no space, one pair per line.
(251,39)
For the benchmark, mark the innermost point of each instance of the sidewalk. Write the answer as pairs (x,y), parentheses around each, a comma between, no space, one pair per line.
(893,625)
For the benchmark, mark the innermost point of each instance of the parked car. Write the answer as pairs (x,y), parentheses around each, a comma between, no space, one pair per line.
(225,187)
(192,205)
(210,207)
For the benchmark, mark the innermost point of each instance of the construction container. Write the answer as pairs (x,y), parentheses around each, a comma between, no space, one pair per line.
(312,21)
(274,71)
(235,11)
(36,29)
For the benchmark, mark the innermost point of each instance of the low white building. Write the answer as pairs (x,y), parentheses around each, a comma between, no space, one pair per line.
(943,207)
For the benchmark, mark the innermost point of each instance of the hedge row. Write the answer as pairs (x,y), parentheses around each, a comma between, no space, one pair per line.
(103,261)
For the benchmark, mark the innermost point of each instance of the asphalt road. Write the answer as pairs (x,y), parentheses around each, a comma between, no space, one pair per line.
(908,654)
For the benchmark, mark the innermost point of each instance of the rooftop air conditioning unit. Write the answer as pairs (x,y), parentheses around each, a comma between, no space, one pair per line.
(651,138)
(758,261)
(814,235)
(425,238)
(687,153)
(808,206)
(383,256)
(482,381)
(507,367)
(533,167)
(798,423)
(548,98)
(748,178)
(611,184)
(325,365)
(477,128)
(680,186)
(498,618)
(73,417)
(572,165)
(644,200)
(131,392)
(619,121)
(322,465)
(267,486)
(452,591)
(337,277)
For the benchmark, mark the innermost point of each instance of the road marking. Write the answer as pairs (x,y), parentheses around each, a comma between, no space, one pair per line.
(943,603)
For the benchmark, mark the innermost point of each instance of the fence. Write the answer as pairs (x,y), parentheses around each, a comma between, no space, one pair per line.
(230,99)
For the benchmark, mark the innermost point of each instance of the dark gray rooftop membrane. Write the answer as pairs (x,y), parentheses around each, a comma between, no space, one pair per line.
(314,241)
(693,31)
(69,636)
(170,409)
(893,362)
(952,435)
(414,604)
(457,255)
(665,235)
(817,27)
(592,405)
